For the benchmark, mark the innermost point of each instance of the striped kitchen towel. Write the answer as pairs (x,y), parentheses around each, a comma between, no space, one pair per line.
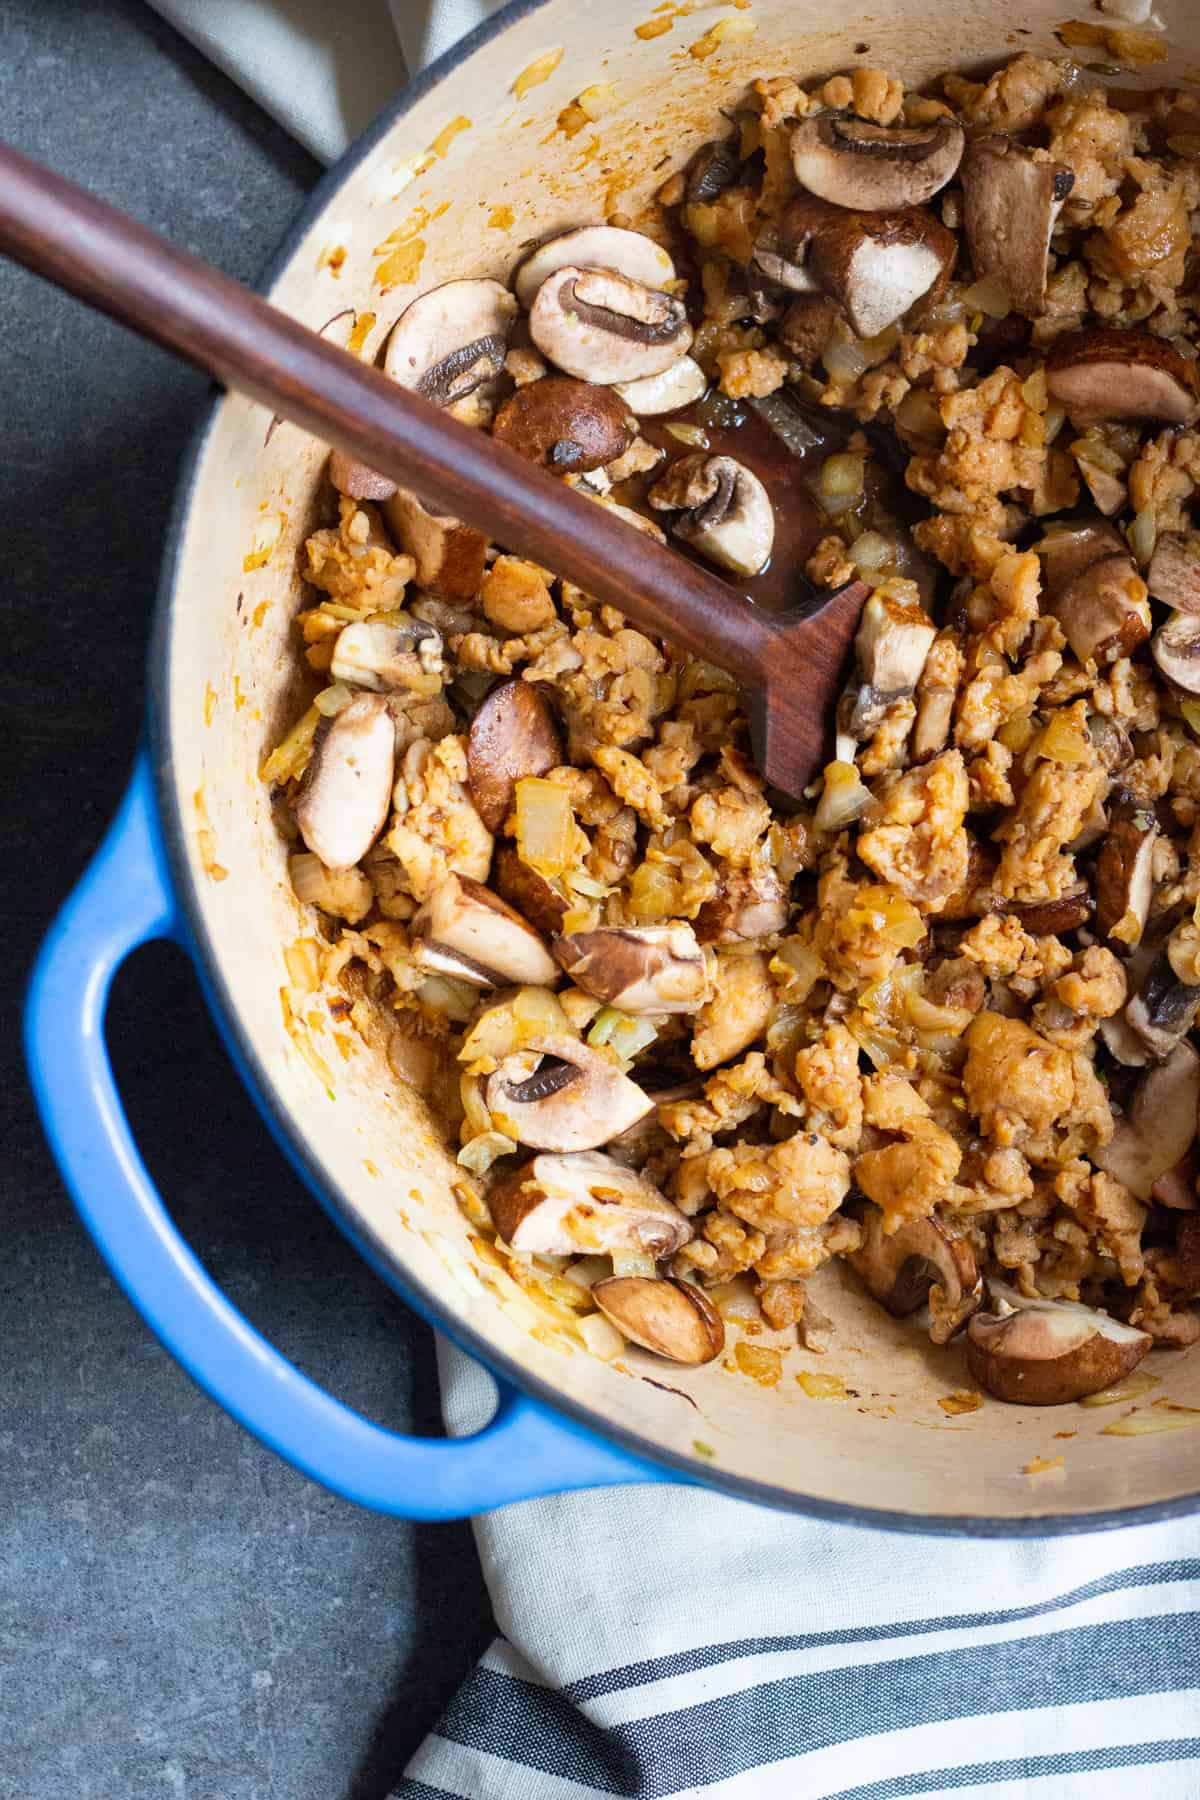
(662,1641)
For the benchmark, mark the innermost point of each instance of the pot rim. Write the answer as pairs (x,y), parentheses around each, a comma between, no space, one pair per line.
(223,1005)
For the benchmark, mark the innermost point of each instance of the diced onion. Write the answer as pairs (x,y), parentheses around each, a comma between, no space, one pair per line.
(844,359)
(588,1271)
(481,1152)
(290,757)
(601,1336)
(841,481)
(622,1031)
(512,1024)
(988,296)
(1143,536)
(690,434)
(1148,1421)
(872,552)
(333,700)
(843,799)
(545,825)
(628,1262)
(457,999)
(1131,1389)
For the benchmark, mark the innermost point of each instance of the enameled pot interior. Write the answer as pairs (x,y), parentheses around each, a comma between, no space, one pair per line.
(469,167)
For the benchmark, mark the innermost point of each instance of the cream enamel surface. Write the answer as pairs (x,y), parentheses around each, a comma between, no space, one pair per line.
(232,692)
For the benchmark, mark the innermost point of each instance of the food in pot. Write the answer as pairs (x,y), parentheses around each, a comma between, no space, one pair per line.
(694,1041)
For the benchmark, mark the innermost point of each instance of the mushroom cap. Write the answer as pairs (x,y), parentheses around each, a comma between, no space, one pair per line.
(874,167)
(893,639)
(748,903)
(512,735)
(606,328)
(450,341)
(628,253)
(1011,199)
(1158,1127)
(565,425)
(1174,573)
(1108,372)
(1176,650)
(347,787)
(449,555)
(874,264)
(675,1319)
(1069,546)
(1051,918)
(349,476)
(902,1270)
(1050,1352)
(680,385)
(1124,878)
(714,167)
(535,898)
(1104,610)
(585,1203)
(639,968)
(726,511)
(1164,1008)
(560,1094)
(489,940)
(371,654)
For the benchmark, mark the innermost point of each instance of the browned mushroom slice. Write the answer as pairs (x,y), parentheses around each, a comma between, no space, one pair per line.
(724,510)
(585,1204)
(605,328)
(449,555)
(565,425)
(1124,880)
(560,1094)
(628,253)
(1048,1352)
(675,1319)
(924,1262)
(400,657)
(1052,918)
(748,903)
(875,167)
(349,476)
(1011,199)
(680,385)
(465,923)
(348,785)
(877,265)
(1174,573)
(450,343)
(1112,741)
(639,968)
(714,167)
(512,735)
(893,639)
(1108,373)
(1176,650)
(1164,1009)
(535,898)
(1104,611)
(805,327)
(1176,1187)
(1069,546)
(1158,1128)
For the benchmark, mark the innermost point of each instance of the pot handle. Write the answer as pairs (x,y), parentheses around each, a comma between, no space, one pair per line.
(124,900)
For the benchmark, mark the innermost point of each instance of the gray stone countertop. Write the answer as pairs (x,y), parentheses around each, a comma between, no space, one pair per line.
(181,1614)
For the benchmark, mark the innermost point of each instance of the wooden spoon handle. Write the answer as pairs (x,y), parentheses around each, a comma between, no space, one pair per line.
(119,267)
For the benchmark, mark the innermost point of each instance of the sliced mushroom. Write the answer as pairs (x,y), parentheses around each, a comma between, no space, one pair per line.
(725,511)
(1174,573)
(805,327)
(1176,650)
(348,785)
(875,265)
(560,1094)
(535,898)
(564,1205)
(1104,611)
(875,167)
(627,253)
(714,167)
(1164,1009)
(513,735)
(450,343)
(1109,373)
(1011,199)
(1052,918)
(1112,741)
(1176,1187)
(923,1262)
(1069,546)
(605,328)
(681,385)
(1123,1043)
(748,904)
(492,945)
(639,968)
(370,654)
(1158,1127)
(565,425)
(349,476)
(1124,880)
(1048,1352)
(894,638)
(675,1319)
(449,555)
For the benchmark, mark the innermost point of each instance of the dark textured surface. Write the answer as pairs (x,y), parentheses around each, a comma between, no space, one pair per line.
(180,1613)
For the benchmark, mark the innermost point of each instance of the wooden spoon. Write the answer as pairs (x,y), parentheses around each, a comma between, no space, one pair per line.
(789,663)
